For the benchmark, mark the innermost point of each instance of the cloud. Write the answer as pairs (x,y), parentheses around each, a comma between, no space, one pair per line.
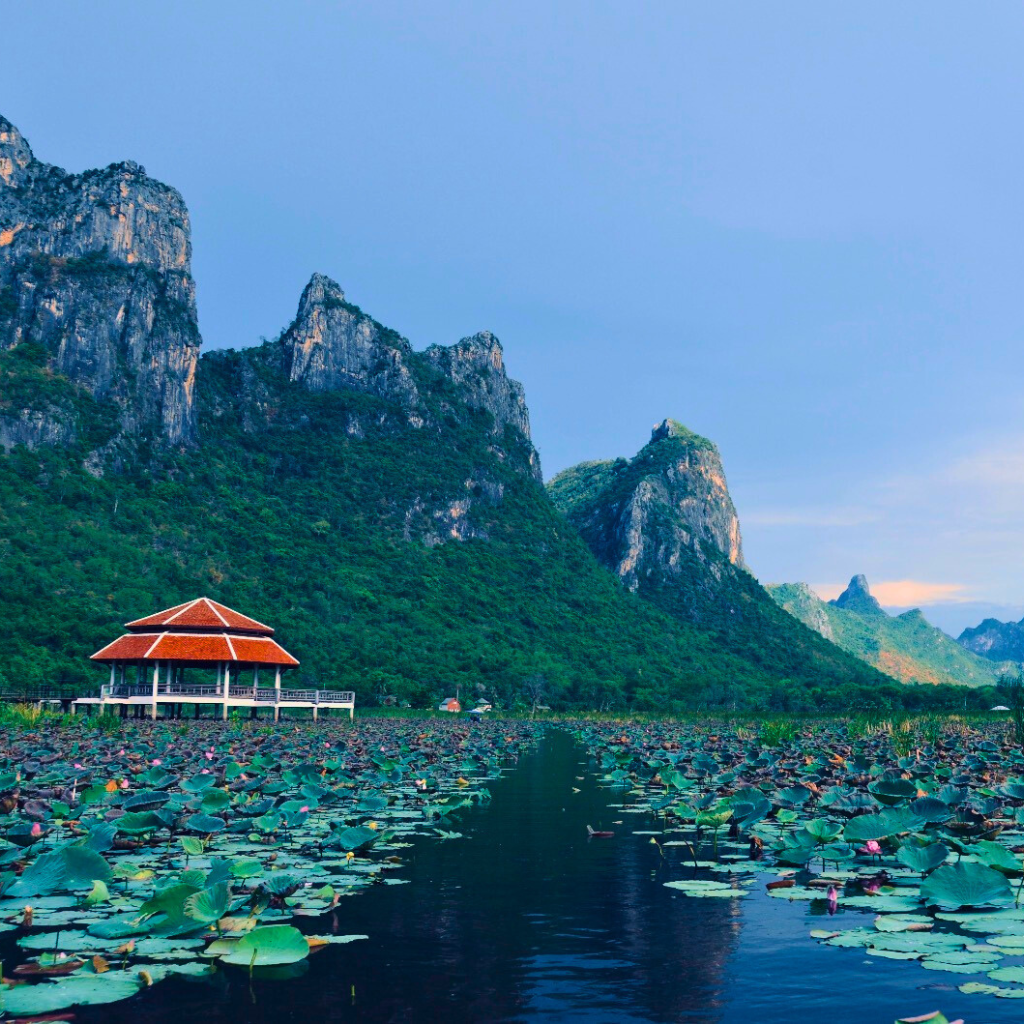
(915,592)
(902,593)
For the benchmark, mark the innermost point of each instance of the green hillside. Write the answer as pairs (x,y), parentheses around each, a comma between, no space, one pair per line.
(307,526)
(906,647)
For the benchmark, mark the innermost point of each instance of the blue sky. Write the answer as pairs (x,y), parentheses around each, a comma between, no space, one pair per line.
(796,228)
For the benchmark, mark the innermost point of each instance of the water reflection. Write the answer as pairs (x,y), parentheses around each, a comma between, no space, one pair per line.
(525,918)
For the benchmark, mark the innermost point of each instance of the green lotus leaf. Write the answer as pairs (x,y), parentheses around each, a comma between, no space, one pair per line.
(208,905)
(791,798)
(268,946)
(246,867)
(922,857)
(78,990)
(999,857)
(205,823)
(902,922)
(192,845)
(966,885)
(823,831)
(135,823)
(865,827)
(169,903)
(1015,975)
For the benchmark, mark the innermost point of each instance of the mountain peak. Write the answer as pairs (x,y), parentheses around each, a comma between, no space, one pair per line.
(319,290)
(672,428)
(857,597)
(15,153)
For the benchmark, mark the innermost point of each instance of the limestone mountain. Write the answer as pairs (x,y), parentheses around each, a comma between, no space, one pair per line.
(380,504)
(995,640)
(665,524)
(906,647)
(95,289)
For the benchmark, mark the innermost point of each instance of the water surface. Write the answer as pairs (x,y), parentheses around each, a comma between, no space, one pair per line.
(526,919)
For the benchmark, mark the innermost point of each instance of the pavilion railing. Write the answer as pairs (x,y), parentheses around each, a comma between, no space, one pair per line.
(335,697)
(260,694)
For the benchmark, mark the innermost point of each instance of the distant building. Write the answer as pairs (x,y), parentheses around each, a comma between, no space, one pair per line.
(450,704)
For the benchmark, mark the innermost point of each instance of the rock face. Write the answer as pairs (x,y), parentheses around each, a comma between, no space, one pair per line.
(906,647)
(476,367)
(95,284)
(95,269)
(651,515)
(995,640)
(332,345)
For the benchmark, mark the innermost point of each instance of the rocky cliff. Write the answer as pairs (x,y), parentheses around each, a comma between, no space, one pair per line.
(906,647)
(97,301)
(95,274)
(333,347)
(665,524)
(996,641)
(655,514)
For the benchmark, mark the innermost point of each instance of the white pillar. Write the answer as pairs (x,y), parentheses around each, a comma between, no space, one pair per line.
(156,681)
(227,689)
(277,693)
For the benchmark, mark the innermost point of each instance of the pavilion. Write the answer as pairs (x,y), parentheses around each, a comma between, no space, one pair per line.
(148,664)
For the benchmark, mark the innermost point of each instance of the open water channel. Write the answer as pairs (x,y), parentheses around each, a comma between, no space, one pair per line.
(526,919)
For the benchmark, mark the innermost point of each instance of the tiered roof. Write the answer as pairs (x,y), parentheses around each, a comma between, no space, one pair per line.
(200,631)
(200,614)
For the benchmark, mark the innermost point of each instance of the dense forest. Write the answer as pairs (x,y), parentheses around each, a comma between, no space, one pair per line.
(307,525)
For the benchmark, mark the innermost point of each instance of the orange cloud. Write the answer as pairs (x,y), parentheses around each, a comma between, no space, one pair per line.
(901,593)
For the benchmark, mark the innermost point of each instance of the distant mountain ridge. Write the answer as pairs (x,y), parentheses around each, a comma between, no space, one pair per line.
(995,640)
(906,647)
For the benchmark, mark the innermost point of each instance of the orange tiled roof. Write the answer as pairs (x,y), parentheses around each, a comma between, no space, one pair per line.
(202,613)
(207,647)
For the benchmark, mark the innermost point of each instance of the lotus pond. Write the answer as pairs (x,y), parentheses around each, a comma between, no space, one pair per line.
(821,870)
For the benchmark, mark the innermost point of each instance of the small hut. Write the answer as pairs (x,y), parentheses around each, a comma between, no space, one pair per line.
(450,704)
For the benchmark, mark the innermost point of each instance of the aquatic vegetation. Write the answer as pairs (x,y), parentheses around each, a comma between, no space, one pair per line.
(917,822)
(189,850)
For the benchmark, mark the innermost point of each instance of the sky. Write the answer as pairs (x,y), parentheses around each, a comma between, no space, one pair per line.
(797,228)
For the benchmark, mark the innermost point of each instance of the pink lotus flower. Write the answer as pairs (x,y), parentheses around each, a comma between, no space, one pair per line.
(872,846)
(209,756)
(205,771)
(156,762)
(124,783)
(37,829)
(304,809)
(78,766)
